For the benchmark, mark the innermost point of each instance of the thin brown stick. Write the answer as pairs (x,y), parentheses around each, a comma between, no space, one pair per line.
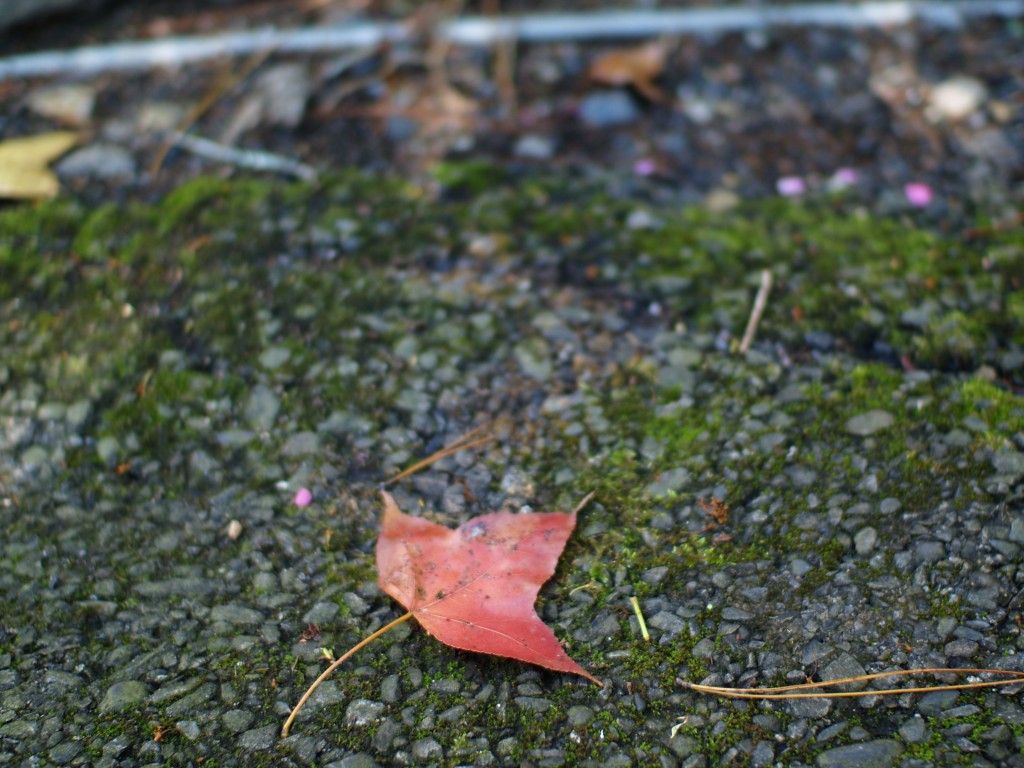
(213,95)
(459,444)
(337,663)
(785,691)
(583,503)
(504,53)
(760,302)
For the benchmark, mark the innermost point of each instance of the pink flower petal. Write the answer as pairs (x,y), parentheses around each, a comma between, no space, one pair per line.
(790,186)
(303,497)
(918,195)
(644,167)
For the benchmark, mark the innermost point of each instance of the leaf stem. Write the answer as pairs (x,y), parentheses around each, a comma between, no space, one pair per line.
(337,663)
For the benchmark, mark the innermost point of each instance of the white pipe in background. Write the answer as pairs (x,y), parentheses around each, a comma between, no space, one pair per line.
(531,28)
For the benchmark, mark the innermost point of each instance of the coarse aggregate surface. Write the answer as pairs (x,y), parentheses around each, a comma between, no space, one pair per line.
(174,373)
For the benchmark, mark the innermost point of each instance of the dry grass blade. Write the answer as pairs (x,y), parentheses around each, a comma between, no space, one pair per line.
(799,691)
(286,728)
(468,440)
(223,85)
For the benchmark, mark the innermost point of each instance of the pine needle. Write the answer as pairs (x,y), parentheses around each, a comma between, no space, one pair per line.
(468,440)
(801,691)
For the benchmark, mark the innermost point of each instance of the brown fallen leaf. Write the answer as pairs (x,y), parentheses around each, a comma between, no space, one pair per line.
(24,174)
(636,67)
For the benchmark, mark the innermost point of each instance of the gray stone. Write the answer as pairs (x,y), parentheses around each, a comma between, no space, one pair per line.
(237,720)
(61,683)
(933,703)
(301,444)
(362,712)
(809,709)
(355,603)
(321,613)
(274,357)
(1009,464)
(67,103)
(844,666)
(672,480)
(108,449)
(731,613)
(929,551)
(78,414)
(654,576)
(427,749)
(667,622)
(1017,530)
(262,408)
(65,752)
(122,695)
(763,754)
(801,476)
(185,587)
(534,358)
(770,441)
(533,703)
(259,739)
(234,438)
(869,422)
(191,702)
(961,648)
(606,108)
(964,710)
(453,502)
(704,649)
(236,614)
(173,690)
(534,146)
(20,729)
(98,161)
(281,92)
(446,685)
(864,540)
(358,760)
(189,729)
(881,753)
(579,715)
(914,730)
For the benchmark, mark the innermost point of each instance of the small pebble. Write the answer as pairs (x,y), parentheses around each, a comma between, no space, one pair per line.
(956,98)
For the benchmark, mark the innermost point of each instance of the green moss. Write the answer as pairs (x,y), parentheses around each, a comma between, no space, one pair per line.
(346,277)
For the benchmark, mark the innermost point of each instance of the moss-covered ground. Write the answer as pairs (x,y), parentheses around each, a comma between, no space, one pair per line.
(599,337)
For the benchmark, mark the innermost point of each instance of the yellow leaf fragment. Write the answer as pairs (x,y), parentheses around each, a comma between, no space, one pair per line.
(24,174)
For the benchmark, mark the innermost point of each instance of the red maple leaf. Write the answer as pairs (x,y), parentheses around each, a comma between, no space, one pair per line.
(474,587)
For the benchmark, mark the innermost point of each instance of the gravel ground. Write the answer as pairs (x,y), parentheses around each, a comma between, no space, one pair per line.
(165,599)
(742,115)
(175,372)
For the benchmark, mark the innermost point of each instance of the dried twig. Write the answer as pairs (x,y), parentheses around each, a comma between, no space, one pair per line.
(213,95)
(802,691)
(760,302)
(468,440)
(245,158)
